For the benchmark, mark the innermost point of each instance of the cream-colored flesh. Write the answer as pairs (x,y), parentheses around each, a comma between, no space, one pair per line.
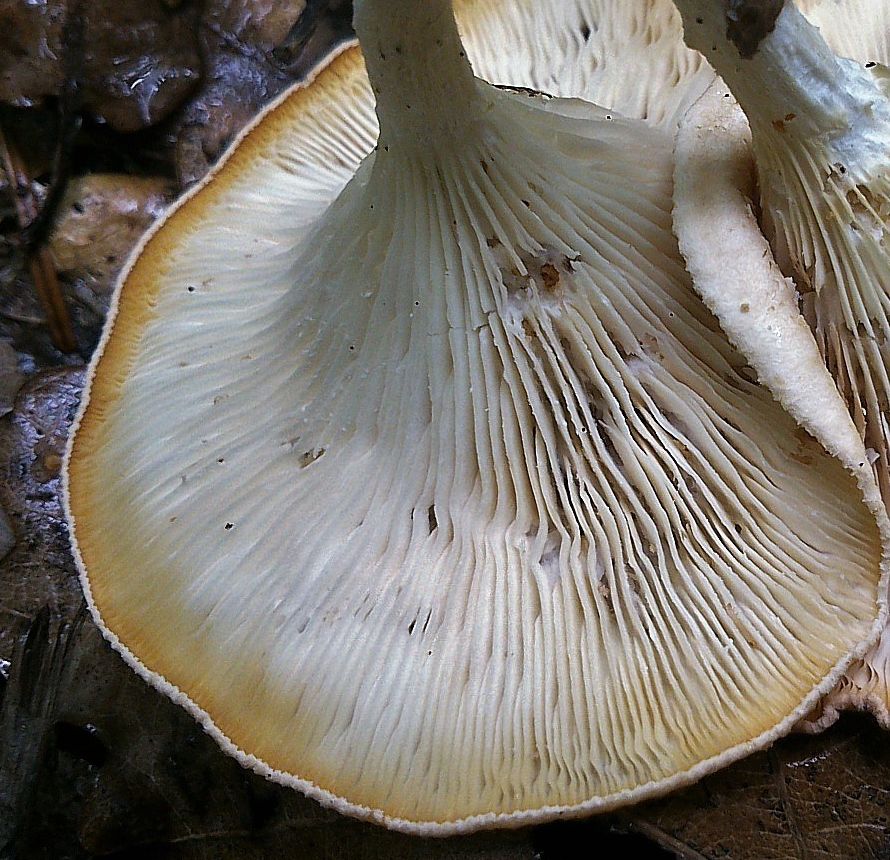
(733,269)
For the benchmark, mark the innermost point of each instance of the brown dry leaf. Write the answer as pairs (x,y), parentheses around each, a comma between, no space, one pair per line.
(824,796)
(101,218)
(38,571)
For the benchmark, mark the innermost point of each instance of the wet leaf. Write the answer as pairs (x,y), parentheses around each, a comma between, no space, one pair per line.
(140,59)
(253,49)
(30,66)
(102,217)
(135,61)
(38,571)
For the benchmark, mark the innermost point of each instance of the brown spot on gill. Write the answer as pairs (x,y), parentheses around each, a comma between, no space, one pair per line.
(549,277)
(432,521)
(605,592)
(780,125)
(309,457)
(807,449)
(869,212)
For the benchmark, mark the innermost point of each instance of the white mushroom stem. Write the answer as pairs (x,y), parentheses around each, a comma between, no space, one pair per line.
(793,83)
(419,72)
(820,129)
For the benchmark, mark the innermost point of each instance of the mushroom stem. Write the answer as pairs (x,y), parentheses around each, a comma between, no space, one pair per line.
(788,69)
(820,126)
(419,71)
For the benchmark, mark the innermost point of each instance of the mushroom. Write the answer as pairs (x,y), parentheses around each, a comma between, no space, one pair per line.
(424,481)
(733,270)
(820,127)
(820,136)
(863,687)
(856,29)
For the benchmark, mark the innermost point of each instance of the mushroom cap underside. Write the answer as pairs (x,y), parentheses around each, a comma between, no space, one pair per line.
(858,29)
(824,208)
(544,550)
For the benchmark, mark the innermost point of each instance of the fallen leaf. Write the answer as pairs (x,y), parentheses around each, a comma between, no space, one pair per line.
(253,49)
(140,59)
(30,66)
(102,217)
(823,796)
(11,378)
(7,535)
(135,61)
(38,571)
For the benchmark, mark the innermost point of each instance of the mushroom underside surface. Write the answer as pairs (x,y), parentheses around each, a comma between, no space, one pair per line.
(820,118)
(427,483)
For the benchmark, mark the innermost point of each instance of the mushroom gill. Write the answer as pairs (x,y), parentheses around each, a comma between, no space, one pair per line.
(820,129)
(820,141)
(423,479)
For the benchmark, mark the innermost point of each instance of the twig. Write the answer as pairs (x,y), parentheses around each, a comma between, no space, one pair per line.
(40,263)
(650,831)
(37,231)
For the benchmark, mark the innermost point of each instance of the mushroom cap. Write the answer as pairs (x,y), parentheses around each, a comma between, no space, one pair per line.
(820,126)
(825,208)
(466,514)
(857,29)
(734,271)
